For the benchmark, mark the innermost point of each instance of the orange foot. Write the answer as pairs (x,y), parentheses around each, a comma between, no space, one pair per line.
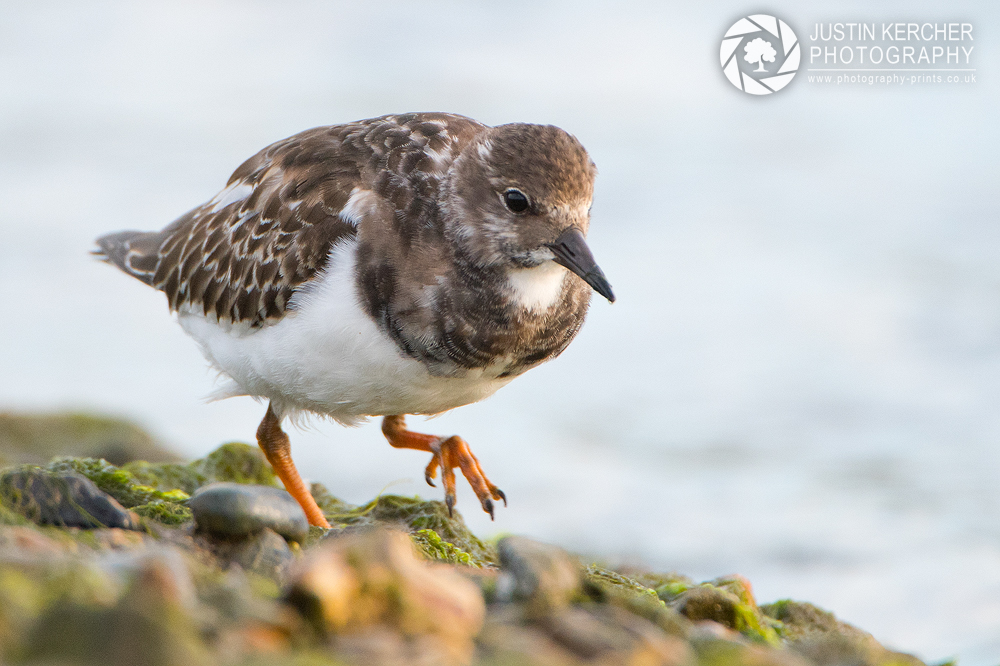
(449,453)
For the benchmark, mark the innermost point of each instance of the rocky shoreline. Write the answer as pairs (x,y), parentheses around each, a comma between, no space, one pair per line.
(208,562)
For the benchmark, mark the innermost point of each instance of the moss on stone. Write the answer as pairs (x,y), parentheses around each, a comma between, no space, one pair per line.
(607,586)
(434,548)
(10,517)
(750,620)
(167,476)
(159,491)
(819,636)
(39,599)
(756,625)
(113,480)
(608,581)
(797,622)
(168,513)
(667,586)
(416,514)
(237,462)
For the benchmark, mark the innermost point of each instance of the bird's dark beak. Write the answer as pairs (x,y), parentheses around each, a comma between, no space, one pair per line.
(572,252)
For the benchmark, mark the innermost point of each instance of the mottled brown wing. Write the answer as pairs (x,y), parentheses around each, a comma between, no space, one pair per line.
(240,256)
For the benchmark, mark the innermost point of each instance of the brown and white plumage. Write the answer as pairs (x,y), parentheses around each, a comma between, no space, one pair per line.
(240,256)
(382,267)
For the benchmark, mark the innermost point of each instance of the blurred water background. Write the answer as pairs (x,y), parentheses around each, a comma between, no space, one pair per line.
(800,381)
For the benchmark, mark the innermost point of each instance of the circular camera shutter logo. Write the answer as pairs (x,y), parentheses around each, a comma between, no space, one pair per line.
(760,54)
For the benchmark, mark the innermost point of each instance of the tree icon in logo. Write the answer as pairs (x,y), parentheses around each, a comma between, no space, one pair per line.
(758,51)
(757,39)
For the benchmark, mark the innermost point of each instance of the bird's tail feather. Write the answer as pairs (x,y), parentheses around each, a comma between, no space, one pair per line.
(135,252)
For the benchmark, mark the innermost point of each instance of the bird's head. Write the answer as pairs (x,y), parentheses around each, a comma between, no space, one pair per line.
(519,197)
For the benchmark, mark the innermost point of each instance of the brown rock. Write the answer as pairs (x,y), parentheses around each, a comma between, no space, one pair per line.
(264,553)
(367,579)
(27,541)
(505,640)
(708,603)
(610,635)
(545,575)
(728,649)
(597,635)
(146,626)
(820,636)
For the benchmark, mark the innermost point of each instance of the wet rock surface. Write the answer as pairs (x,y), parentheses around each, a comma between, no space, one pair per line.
(231,510)
(396,581)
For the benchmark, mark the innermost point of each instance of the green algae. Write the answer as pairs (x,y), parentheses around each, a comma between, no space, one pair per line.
(819,636)
(159,491)
(168,513)
(611,582)
(755,625)
(795,621)
(668,586)
(36,601)
(645,593)
(167,477)
(237,462)
(115,481)
(10,517)
(415,514)
(433,547)
(750,620)
(606,586)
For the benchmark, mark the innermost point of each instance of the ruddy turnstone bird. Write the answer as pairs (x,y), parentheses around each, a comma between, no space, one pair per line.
(407,264)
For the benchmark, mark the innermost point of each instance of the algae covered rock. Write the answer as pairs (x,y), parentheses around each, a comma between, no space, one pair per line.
(453,541)
(729,602)
(819,636)
(160,491)
(66,499)
(395,581)
(549,609)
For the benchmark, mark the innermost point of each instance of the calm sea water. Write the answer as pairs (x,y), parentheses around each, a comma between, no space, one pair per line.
(800,381)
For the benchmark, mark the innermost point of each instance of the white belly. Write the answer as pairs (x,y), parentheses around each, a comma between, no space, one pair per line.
(327,356)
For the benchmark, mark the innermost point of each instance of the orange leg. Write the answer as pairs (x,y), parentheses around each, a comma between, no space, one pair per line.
(449,453)
(278,451)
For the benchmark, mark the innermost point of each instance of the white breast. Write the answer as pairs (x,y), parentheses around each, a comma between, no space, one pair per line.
(326,355)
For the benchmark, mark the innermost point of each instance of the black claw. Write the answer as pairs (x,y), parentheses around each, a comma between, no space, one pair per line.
(449,500)
(429,480)
(488,507)
(502,496)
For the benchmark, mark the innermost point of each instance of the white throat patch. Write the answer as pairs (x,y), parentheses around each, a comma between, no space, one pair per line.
(537,288)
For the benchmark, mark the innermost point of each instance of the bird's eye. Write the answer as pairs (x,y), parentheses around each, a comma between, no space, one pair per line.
(515,200)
